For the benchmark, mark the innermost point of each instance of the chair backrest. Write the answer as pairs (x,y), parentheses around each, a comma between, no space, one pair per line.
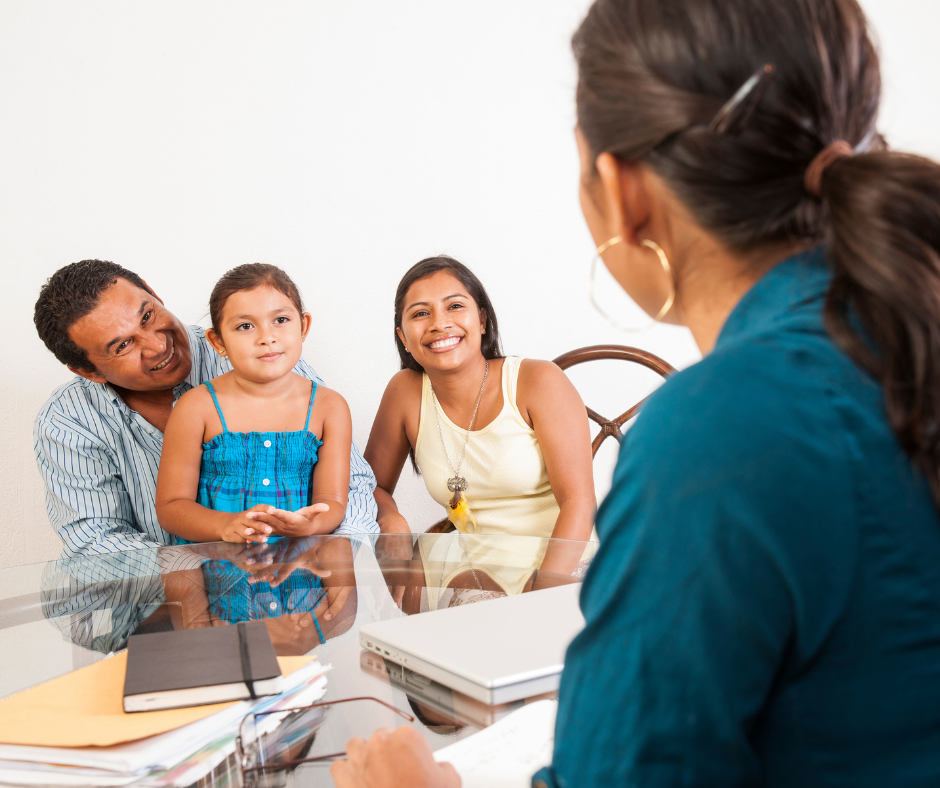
(618,353)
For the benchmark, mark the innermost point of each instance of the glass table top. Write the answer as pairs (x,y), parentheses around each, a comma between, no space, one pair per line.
(313,593)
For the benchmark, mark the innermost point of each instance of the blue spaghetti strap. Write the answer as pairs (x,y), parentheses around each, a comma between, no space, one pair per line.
(313,393)
(215,399)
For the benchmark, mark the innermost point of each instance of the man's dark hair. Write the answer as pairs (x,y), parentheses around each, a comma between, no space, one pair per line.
(67,296)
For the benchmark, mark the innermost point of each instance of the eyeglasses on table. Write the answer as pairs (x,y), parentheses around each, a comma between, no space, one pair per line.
(270,743)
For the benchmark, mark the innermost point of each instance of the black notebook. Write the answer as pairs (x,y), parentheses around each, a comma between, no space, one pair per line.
(193,667)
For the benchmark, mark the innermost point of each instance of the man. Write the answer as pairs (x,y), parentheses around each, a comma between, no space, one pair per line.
(98,438)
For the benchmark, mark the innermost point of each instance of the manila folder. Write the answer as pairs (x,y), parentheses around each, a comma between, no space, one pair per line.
(84,708)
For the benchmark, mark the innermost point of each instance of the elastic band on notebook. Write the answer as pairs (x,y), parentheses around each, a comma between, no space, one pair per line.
(246,658)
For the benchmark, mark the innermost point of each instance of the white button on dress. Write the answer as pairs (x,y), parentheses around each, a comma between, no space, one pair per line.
(265,482)
(267,444)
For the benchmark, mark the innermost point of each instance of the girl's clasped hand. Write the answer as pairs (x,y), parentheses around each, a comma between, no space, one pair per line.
(257,523)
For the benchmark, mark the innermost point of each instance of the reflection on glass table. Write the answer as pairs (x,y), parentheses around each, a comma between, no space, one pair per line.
(271,743)
(312,593)
(436,705)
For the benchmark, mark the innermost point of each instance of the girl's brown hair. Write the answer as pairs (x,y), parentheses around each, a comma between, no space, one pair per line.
(248,277)
(651,77)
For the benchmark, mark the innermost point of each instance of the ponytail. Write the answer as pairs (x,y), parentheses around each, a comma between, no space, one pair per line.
(884,245)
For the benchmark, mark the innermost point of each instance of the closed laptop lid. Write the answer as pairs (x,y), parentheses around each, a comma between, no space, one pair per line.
(492,643)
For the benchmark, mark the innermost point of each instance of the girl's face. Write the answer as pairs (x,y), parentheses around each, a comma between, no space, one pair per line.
(441,324)
(261,332)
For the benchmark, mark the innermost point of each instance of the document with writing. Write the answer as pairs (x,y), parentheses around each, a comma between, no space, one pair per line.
(507,753)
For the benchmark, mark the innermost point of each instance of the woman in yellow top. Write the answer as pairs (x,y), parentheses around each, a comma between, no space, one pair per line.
(503,444)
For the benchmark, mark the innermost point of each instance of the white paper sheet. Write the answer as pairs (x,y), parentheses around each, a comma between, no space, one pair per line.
(19,773)
(507,753)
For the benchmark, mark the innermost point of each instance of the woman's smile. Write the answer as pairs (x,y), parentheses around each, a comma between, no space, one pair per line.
(444,344)
(439,318)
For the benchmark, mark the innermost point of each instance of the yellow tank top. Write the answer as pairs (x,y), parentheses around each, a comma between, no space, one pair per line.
(508,490)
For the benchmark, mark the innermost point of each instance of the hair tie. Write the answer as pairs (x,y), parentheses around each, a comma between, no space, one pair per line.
(812,181)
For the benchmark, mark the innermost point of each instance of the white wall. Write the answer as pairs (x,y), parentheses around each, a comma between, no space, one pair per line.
(341,141)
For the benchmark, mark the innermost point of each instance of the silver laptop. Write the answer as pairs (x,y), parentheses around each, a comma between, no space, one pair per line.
(496,651)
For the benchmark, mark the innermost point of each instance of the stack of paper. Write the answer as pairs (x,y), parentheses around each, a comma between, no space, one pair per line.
(509,752)
(73,730)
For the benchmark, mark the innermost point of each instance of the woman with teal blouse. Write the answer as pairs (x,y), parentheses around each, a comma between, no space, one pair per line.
(764,607)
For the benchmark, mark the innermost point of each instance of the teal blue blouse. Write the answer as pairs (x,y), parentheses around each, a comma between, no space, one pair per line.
(764,608)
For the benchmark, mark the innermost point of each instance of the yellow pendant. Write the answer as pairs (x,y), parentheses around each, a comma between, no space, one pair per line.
(460,514)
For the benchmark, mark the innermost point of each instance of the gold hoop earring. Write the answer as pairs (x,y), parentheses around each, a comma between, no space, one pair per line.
(607,244)
(663,260)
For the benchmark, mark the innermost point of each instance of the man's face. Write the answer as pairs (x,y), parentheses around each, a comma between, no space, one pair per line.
(133,341)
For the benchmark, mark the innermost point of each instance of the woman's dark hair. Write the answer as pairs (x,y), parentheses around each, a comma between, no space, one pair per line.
(490,344)
(67,296)
(248,277)
(652,75)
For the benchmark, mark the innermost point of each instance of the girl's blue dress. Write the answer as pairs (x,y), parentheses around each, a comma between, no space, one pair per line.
(241,470)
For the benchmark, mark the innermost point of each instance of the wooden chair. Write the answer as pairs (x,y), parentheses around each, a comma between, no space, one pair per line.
(611,427)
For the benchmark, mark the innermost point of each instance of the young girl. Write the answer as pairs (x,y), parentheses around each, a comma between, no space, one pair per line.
(242,460)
